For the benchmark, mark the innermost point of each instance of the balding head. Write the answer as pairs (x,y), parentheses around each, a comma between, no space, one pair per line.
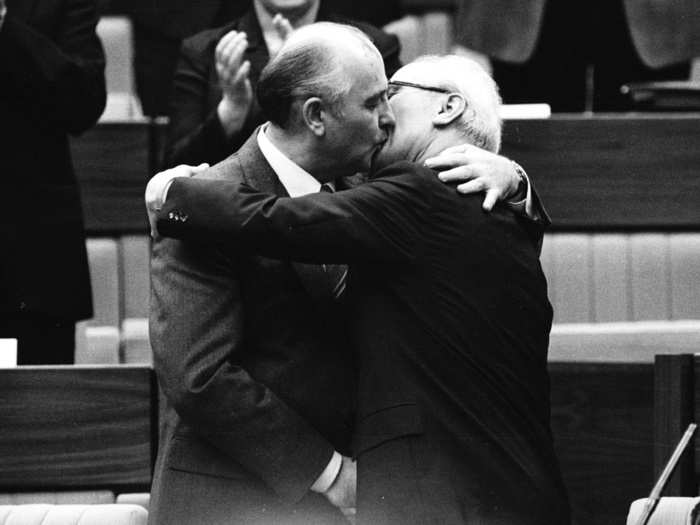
(439,102)
(481,121)
(316,60)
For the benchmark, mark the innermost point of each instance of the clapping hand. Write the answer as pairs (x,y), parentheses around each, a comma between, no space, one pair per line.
(282,26)
(3,11)
(233,73)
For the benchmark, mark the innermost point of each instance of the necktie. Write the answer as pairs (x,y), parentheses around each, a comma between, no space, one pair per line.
(337,273)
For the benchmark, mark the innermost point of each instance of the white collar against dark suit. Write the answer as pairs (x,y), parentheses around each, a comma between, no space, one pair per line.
(296,180)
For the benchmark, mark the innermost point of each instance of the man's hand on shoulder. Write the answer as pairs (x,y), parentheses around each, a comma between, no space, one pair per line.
(479,170)
(157,189)
(343,490)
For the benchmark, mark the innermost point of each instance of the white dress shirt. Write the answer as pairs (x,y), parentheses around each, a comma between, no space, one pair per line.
(298,182)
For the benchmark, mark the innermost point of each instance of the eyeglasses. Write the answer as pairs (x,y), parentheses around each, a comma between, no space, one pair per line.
(394,85)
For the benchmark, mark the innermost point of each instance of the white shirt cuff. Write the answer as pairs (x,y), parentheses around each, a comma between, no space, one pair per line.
(164,193)
(327,477)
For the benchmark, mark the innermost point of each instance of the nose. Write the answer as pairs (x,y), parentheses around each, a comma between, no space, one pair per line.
(386,116)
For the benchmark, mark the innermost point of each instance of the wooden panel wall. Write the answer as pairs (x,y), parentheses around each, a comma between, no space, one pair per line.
(113,164)
(594,173)
(602,420)
(612,171)
(77,427)
(602,277)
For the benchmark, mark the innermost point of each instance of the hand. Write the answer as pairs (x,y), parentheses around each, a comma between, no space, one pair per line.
(233,73)
(483,171)
(156,189)
(3,12)
(342,493)
(282,26)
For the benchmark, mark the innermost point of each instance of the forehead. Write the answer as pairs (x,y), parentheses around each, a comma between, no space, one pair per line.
(418,72)
(367,74)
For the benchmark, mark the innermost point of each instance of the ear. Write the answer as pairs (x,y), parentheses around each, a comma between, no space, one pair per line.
(451,109)
(313,115)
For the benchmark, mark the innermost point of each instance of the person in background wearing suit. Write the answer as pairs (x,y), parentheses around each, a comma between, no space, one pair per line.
(447,305)
(160,27)
(213,110)
(51,85)
(251,352)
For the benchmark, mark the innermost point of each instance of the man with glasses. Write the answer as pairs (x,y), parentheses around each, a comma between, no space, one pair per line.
(448,310)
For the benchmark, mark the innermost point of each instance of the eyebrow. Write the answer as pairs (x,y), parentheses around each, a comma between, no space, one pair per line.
(376,96)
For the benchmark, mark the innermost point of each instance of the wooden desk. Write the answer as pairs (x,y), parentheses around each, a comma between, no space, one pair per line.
(65,427)
(113,164)
(604,172)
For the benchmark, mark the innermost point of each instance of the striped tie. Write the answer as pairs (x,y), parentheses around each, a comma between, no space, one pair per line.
(337,273)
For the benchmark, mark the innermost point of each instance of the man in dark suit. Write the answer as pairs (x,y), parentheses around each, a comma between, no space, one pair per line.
(448,310)
(51,85)
(160,27)
(213,110)
(251,352)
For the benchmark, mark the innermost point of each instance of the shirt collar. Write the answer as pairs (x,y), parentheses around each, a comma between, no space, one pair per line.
(295,179)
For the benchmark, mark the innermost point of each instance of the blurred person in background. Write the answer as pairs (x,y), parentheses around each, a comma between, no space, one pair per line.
(161,26)
(577,55)
(213,108)
(51,85)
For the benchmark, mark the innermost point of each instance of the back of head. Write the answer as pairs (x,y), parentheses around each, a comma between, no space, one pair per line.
(481,122)
(310,63)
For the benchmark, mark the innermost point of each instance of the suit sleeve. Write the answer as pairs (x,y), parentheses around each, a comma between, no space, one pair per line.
(195,134)
(382,220)
(196,329)
(61,78)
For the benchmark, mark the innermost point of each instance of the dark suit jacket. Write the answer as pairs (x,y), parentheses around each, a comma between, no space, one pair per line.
(250,354)
(195,133)
(51,84)
(663,32)
(449,316)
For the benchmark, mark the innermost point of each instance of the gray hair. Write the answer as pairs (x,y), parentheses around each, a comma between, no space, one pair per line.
(308,65)
(481,122)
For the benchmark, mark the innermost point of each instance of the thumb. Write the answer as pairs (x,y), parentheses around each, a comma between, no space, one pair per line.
(282,26)
(490,200)
(197,169)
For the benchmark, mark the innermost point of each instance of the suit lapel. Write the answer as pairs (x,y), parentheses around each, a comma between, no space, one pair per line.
(256,170)
(258,173)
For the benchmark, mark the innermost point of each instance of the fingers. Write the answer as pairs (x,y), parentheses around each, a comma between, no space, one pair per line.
(242,74)
(461,148)
(490,199)
(197,169)
(229,54)
(282,26)
(473,186)
(466,149)
(459,174)
(451,160)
